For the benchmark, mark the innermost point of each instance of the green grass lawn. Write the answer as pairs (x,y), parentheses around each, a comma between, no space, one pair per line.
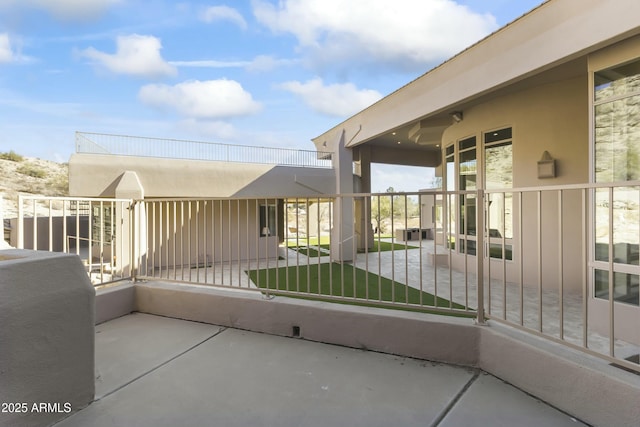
(313,281)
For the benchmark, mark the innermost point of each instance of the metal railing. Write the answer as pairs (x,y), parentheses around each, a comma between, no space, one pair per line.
(285,246)
(96,230)
(558,262)
(95,143)
(529,266)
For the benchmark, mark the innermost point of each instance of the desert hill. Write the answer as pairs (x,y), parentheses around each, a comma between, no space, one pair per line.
(27,175)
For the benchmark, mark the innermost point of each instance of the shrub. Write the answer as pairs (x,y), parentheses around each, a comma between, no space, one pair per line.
(11,156)
(59,185)
(31,170)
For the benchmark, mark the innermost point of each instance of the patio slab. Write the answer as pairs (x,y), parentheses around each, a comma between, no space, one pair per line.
(509,407)
(228,377)
(130,346)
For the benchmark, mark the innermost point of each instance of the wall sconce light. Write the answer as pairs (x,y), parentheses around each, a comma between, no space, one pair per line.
(546,166)
(457,116)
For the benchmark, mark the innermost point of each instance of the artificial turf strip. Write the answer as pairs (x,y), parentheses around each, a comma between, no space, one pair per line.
(387,246)
(312,252)
(306,279)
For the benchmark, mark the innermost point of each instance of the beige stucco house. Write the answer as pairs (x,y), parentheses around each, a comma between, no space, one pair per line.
(552,99)
(197,210)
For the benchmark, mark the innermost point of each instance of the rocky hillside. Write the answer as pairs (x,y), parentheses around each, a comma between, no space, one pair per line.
(25,175)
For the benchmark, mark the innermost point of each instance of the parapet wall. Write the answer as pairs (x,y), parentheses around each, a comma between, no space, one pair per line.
(574,382)
(46,337)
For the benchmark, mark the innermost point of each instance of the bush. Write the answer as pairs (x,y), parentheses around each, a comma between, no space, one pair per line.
(31,170)
(59,185)
(11,156)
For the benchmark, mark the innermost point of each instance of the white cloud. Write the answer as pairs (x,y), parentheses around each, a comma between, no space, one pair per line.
(402,34)
(211,63)
(340,100)
(135,55)
(267,63)
(6,53)
(67,10)
(258,64)
(10,53)
(223,13)
(211,99)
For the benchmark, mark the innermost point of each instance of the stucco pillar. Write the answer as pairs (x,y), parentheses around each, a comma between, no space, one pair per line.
(129,187)
(47,313)
(363,205)
(342,233)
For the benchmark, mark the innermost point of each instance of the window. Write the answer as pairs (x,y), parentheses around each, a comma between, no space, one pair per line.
(267,220)
(451,186)
(498,166)
(462,174)
(467,181)
(617,159)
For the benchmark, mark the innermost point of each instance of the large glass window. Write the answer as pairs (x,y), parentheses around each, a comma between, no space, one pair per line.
(467,173)
(451,199)
(498,161)
(616,160)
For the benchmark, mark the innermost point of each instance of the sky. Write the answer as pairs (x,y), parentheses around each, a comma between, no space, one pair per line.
(270,73)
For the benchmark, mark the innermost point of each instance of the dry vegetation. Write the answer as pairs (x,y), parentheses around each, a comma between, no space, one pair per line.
(25,175)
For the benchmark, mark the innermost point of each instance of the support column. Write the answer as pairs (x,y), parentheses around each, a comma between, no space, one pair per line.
(131,231)
(363,206)
(342,233)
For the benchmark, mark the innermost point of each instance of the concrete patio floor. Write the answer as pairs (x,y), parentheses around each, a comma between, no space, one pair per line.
(157,371)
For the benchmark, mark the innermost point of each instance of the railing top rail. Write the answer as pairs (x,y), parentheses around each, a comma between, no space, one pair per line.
(126,145)
(73,199)
(430,192)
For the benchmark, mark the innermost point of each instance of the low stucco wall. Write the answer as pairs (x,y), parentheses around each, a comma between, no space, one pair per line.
(583,386)
(453,340)
(114,301)
(46,337)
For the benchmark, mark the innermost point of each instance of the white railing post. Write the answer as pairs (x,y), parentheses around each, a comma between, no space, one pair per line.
(20,231)
(480,229)
(1,216)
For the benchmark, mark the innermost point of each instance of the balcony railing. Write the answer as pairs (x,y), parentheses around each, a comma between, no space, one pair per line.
(96,230)
(122,145)
(542,261)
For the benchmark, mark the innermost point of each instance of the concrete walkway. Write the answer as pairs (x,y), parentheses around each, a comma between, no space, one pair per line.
(156,371)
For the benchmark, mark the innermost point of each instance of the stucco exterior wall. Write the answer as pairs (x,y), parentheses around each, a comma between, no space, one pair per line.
(186,234)
(47,337)
(96,175)
(553,118)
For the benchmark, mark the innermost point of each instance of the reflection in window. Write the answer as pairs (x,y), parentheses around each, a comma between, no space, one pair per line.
(451,199)
(626,224)
(617,159)
(625,287)
(267,220)
(467,171)
(498,159)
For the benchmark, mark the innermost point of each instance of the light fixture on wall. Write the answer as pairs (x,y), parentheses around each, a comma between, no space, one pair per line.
(457,116)
(546,166)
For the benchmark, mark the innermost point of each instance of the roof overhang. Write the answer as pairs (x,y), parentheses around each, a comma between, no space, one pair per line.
(548,44)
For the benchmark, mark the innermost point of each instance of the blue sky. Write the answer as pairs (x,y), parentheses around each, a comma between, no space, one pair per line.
(262,72)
